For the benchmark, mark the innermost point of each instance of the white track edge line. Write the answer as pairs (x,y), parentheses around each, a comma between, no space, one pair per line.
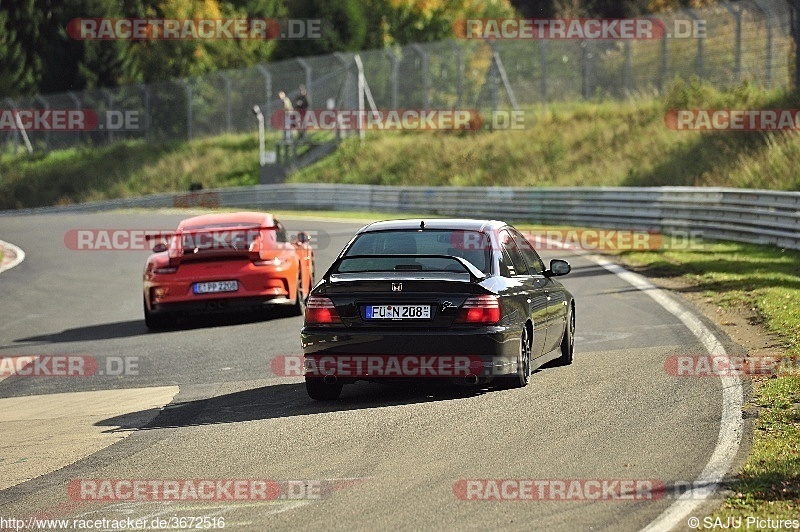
(17,251)
(731,423)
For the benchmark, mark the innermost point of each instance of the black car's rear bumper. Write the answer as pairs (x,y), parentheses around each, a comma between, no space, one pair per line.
(492,351)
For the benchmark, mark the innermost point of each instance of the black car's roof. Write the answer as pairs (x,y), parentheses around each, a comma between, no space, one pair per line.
(434,223)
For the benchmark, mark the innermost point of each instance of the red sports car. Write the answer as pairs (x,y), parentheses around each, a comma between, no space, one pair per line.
(226,262)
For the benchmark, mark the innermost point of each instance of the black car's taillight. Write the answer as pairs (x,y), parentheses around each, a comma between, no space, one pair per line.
(320,310)
(480,310)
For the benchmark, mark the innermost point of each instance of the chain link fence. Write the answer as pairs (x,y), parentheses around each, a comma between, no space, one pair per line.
(747,40)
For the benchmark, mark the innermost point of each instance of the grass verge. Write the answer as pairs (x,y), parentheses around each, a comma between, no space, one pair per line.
(593,143)
(764,280)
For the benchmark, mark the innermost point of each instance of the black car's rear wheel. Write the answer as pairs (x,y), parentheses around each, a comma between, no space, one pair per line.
(567,343)
(320,390)
(521,378)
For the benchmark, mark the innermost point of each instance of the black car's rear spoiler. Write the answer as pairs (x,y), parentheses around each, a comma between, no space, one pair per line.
(474,273)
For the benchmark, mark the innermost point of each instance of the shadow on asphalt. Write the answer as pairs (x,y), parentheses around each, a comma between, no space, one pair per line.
(290,400)
(125,329)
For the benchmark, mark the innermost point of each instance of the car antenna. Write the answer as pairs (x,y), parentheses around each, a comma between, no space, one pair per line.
(422,224)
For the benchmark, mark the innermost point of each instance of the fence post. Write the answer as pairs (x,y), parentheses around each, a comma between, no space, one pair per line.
(459,73)
(46,106)
(361,88)
(15,134)
(346,91)
(189,118)
(110,99)
(226,80)
(543,81)
(395,74)
(146,92)
(426,81)
(796,35)
(700,60)
(267,91)
(588,55)
(737,17)
(626,75)
(768,22)
(493,81)
(77,102)
(662,80)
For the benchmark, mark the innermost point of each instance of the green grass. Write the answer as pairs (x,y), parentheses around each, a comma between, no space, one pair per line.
(762,278)
(767,281)
(126,169)
(596,143)
(769,482)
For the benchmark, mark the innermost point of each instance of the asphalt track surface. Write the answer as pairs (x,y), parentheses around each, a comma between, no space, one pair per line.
(385,456)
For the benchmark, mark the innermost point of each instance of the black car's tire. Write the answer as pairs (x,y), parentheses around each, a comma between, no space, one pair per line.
(523,375)
(156,322)
(299,307)
(319,390)
(567,342)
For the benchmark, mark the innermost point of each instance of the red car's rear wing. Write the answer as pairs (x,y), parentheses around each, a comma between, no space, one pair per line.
(234,240)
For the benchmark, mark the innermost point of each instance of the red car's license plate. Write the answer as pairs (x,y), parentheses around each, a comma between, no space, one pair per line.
(215,286)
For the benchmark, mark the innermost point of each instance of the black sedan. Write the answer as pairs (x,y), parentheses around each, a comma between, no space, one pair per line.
(465,300)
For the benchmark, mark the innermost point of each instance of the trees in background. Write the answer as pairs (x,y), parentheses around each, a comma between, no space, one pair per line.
(37,54)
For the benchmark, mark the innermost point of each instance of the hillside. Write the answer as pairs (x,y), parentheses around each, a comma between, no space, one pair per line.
(606,143)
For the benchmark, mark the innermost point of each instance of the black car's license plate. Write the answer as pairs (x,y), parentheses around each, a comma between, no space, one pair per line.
(397,312)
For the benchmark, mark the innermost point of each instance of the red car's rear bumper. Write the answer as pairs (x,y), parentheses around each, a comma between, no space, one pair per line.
(258,285)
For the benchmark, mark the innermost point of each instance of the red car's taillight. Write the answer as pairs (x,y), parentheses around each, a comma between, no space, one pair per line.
(480,309)
(320,310)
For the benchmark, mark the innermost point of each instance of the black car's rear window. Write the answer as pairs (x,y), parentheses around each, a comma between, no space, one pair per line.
(473,246)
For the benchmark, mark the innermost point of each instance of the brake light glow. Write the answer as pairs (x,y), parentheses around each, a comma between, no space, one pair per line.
(480,309)
(320,310)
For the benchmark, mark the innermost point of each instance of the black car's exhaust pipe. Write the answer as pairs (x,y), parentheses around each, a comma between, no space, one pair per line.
(471,379)
(329,379)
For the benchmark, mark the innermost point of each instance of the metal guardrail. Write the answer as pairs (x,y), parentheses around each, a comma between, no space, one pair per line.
(741,215)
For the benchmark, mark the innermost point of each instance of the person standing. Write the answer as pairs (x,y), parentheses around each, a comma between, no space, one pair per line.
(287,109)
(301,106)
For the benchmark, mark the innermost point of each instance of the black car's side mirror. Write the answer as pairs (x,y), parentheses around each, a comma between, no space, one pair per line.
(558,268)
(160,247)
